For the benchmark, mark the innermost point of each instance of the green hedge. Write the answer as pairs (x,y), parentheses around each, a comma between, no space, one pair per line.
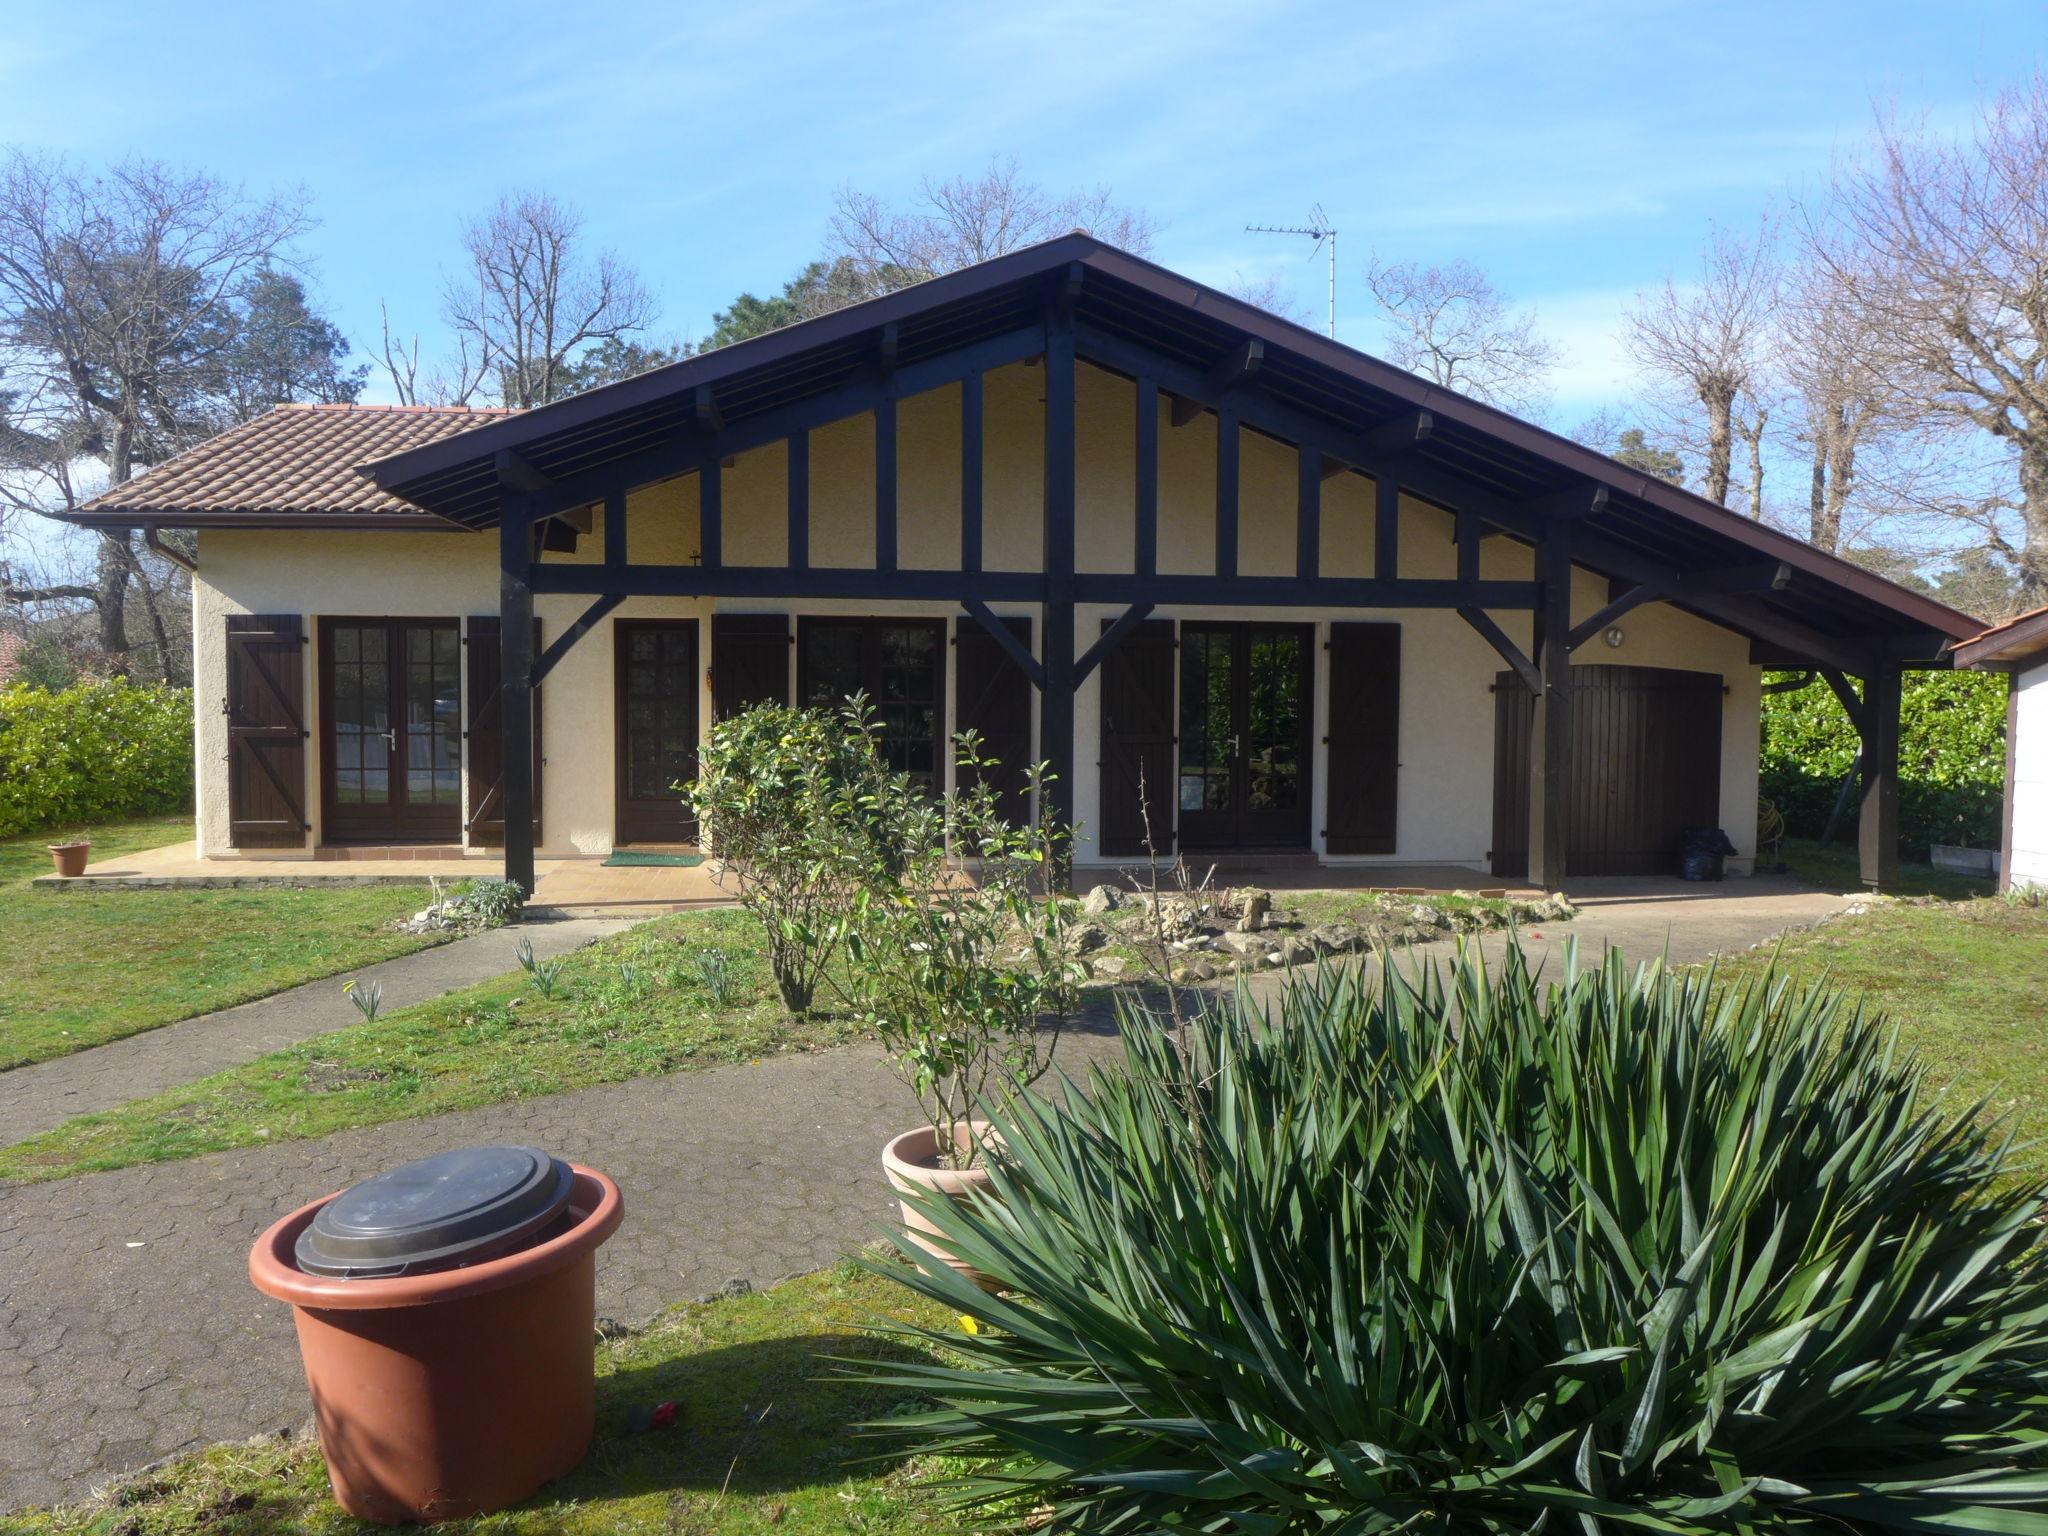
(1951,758)
(93,752)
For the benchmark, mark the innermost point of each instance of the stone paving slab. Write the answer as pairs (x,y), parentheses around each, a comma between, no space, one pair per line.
(37,1098)
(128,1328)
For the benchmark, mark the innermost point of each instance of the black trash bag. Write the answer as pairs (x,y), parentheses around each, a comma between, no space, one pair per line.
(1700,852)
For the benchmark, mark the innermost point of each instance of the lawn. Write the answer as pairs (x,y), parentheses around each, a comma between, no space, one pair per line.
(638,1004)
(758,1443)
(1834,867)
(84,967)
(1966,984)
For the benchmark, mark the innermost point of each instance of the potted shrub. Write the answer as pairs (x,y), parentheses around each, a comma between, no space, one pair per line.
(69,855)
(955,970)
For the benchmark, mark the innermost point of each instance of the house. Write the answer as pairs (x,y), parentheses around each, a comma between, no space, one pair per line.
(1231,579)
(2020,647)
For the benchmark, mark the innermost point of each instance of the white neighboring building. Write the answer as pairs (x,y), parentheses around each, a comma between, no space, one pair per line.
(2020,647)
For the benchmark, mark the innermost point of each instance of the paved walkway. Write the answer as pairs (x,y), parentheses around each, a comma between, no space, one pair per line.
(36,1098)
(128,1328)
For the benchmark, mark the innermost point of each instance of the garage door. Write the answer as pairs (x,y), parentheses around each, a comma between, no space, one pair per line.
(1645,765)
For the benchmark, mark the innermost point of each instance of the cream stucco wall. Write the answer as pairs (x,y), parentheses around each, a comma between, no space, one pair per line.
(1446,731)
(2029,749)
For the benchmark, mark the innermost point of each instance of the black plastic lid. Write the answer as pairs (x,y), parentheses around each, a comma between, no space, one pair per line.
(440,1212)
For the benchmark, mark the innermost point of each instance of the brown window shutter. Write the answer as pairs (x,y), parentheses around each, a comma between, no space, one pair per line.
(266,710)
(749,662)
(484,740)
(992,698)
(1365,738)
(1138,741)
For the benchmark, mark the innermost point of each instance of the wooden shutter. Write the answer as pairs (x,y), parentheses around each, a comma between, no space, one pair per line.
(1138,741)
(484,739)
(266,710)
(992,698)
(1514,709)
(749,662)
(1365,737)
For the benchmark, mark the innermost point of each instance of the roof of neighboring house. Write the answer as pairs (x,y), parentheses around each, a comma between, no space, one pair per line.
(294,466)
(2007,647)
(11,647)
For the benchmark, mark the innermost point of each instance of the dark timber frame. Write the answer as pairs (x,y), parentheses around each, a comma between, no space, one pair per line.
(1072,301)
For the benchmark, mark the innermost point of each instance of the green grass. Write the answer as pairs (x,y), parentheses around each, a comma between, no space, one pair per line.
(82,967)
(1834,867)
(760,1444)
(1966,984)
(630,1006)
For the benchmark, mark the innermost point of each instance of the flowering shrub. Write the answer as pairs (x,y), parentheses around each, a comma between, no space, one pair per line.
(92,752)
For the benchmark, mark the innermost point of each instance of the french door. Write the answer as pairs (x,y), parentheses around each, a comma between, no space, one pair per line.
(1245,709)
(656,713)
(900,665)
(391,752)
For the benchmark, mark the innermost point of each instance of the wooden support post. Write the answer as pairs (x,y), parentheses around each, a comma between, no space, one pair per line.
(1468,546)
(1308,514)
(970,472)
(800,501)
(1386,528)
(1877,832)
(1056,704)
(711,515)
(515,695)
(1147,562)
(1550,736)
(1227,479)
(885,483)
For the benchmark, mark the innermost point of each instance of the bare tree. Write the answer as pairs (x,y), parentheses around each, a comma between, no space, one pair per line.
(1267,293)
(1452,326)
(530,299)
(117,295)
(1709,342)
(1958,306)
(957,222)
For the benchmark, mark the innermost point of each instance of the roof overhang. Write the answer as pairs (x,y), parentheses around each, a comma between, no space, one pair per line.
(1474,456)
(2016,646)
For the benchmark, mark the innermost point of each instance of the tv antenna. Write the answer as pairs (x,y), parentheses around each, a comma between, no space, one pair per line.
(1317,229)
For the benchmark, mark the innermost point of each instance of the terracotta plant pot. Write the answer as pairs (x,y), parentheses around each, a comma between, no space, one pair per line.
(912,1162)
(70,858)
(457,1391)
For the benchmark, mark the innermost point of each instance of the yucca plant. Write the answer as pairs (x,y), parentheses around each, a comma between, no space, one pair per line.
(1458,1253)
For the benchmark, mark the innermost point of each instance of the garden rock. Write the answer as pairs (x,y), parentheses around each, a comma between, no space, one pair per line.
(1111,966)
(1253,911)
(1245,945)
(1086,938)
(1102,900)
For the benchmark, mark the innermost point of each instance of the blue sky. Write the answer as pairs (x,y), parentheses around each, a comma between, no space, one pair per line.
(1577,152)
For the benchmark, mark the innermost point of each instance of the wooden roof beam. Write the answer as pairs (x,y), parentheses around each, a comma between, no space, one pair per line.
(1242,363)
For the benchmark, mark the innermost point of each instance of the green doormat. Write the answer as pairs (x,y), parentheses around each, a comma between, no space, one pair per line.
(627,858)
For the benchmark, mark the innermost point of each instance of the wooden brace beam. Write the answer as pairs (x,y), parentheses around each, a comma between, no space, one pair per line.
(1006,637)
(1509,652)
(566,640)
(1110,639)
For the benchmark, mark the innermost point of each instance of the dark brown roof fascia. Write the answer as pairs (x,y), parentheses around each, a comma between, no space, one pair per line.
(177,517)
(2007,647)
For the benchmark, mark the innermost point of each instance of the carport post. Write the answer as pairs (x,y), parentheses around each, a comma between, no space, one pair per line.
(1877,832)
(515,687)
(1550,732)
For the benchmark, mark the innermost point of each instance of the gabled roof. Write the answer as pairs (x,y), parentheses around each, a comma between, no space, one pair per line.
(1128,299)
(293,466)
(2017,643)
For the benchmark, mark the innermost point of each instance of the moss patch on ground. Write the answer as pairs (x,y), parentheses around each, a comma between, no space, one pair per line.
(637,1004)
(82,967)
(762,1441)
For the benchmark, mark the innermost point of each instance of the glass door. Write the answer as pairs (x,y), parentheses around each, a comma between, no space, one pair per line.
(1245,705)
(391,701)
(656,713)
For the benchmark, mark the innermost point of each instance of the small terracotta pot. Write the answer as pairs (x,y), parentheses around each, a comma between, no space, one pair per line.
(70,858)
(458,1391)
(912,1162)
